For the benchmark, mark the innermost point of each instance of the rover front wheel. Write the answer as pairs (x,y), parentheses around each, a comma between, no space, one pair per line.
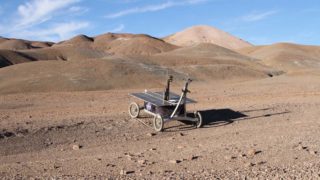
(158,123)
(134,110)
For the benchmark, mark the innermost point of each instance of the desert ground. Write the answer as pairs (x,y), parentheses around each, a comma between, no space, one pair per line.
(64,108)
(255,129)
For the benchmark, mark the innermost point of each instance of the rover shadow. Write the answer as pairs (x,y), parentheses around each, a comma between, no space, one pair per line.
(221,117)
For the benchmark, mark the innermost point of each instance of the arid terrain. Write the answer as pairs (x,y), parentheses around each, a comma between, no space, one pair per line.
(64,108)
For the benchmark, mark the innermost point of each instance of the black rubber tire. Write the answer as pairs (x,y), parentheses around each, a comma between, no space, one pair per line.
(158,123)
(134,110)
(199,123)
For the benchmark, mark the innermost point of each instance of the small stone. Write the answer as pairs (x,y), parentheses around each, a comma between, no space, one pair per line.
(227,157)
(110,165)
(248,164)
(252,152)
(167,171)
(242,155)
(152,149)
(261,162)
(141,161)
(174,161)
(181,134)
(300,147)
(124,172)
(180,147)
(193,157)
(313,152)
(76,147)
(151,134)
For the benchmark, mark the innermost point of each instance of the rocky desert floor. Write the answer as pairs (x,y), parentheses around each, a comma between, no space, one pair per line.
(259,129)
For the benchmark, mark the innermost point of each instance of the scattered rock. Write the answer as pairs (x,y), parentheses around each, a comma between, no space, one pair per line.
(152,149)
(193,157)
(110,165)
(300,147)
(48,142)
(250,164)
(242,155)
(230,157)
(123,172)
(55,166)
(313,152)
(174,161)
(76,147)
(151,134)
(142,161)
(227,157)
(167,171)
(181,134)
(261,162)
(180,147)
(253,152)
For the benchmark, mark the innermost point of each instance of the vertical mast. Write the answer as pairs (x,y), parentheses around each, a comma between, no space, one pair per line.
(167,91)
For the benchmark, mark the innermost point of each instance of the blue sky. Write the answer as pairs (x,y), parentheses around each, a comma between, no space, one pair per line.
(257,21)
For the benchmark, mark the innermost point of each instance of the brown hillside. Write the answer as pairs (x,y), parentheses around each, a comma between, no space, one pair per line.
(287,57)
(74,76)
(212,62)
(206,34)
(8,58)
(130,44)
(15,44)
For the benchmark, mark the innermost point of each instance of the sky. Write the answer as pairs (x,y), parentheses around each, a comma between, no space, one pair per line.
(257,21)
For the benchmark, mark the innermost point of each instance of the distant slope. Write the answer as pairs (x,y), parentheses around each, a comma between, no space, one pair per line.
(212,62)
(8,58)
(286,56)
(206,34)
(204,62)
(20,44)
(120,44)
(82,75)
(130,44)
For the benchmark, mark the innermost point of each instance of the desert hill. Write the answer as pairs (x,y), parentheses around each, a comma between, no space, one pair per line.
(120,44)
(206,34)
(8,58)
(20,44)
(81,75)
(82,47)
(285,56)
(211,62)
(113,61)
(203,62)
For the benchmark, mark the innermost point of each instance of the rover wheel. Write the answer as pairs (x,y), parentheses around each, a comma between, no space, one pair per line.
(134,110)
(158,123)
(199,122)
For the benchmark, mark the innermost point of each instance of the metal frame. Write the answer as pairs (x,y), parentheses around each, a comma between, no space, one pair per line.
(165,103)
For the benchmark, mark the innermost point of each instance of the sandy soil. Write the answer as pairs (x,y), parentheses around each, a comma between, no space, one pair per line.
(256,129)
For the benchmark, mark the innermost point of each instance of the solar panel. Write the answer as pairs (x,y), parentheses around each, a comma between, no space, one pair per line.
(156,98)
